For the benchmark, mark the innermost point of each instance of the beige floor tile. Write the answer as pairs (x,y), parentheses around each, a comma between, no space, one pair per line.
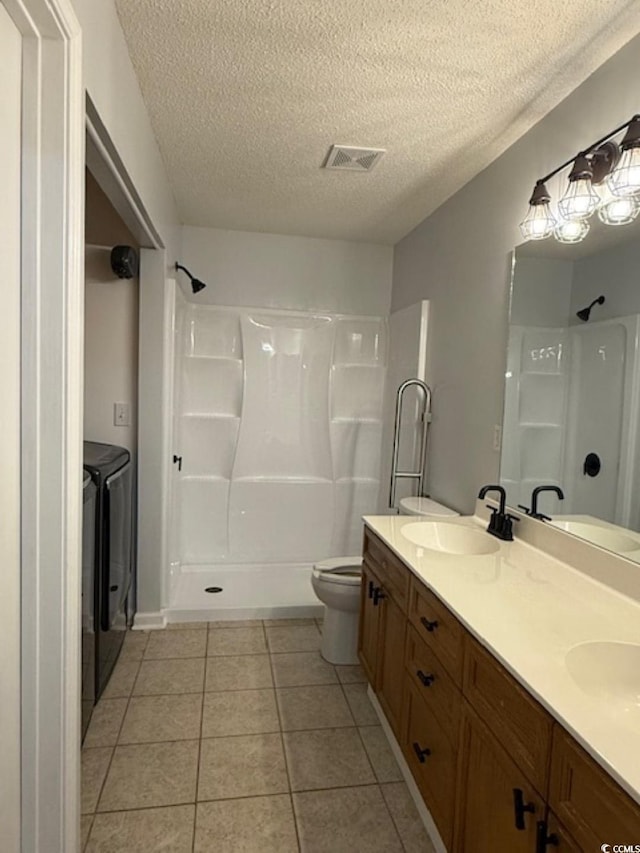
(236,641)
(187,626)
(344,821)
(235,623)
(176,644)
(95,763)
(377,747)
(239,712)
(313,708)
(294,638)
(406,818)
(245,766)
(152,774)
(252,825)
(361,708)
(293,669)
(328,758)
(134,645)
(85,828)
(351,674)
(106,720)
(158,718)
(158,677)
(241,672)
(122,679)
(287,623)
(163,830)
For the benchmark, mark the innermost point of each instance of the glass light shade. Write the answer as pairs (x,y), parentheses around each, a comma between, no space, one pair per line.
(618,210)
(539,222)
(580,200)
(571,230)
(624,180)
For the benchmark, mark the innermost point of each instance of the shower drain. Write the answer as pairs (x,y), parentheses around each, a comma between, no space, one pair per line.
(213,589)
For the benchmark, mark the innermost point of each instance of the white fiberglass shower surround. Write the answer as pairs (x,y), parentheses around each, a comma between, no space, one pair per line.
(278,428)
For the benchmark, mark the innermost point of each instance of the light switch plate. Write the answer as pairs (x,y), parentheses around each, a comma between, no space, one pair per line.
(121,414)
(497,436)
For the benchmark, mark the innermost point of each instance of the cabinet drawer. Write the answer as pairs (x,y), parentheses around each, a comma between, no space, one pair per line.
(587,800)
(432,761)
(438,627)
(431,681)
(524,727)
(391,570)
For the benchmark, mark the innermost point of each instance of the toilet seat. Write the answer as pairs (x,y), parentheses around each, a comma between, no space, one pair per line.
(344,571)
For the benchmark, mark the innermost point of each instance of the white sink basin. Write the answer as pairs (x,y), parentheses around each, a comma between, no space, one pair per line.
(609,671)
(447,538)
(603,536)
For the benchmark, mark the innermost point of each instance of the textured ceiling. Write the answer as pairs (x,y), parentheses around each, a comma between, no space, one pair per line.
(246,96)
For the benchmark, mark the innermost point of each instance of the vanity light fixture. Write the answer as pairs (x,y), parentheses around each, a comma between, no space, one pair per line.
(539,221)
(616,209)
(580,199)
(571,230)
(625,177)
(602,165)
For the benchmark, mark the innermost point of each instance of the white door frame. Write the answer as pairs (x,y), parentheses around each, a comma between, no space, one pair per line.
(52,232)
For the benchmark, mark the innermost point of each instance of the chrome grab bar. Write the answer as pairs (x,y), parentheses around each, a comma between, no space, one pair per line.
(425,416)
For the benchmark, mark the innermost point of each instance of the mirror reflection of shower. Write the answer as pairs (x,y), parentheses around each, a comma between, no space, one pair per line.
(585,313)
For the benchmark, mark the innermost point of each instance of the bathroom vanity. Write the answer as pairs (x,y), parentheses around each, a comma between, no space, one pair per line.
(506,678)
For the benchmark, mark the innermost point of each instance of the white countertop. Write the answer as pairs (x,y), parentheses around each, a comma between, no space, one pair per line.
(529,610)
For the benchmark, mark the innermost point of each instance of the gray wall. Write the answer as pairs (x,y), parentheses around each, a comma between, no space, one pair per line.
(541,292)
(459,258)
(614,273)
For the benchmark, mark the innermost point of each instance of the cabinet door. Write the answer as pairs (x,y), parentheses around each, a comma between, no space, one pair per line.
(498,809)
(368,632)
(390,675)
(554,837)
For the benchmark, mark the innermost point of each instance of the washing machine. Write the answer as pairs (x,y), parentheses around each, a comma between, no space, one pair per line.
(111,472)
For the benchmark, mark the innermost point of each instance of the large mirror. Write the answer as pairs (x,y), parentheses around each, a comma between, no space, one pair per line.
(572,387)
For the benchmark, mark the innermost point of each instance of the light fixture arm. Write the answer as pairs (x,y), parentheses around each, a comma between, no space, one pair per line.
(590,148)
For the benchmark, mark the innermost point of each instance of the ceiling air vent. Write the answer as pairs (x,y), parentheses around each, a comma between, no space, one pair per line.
(343,157)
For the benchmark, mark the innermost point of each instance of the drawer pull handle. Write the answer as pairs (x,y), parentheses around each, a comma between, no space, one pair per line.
(543,840)
(378,594)
(430,626)
(520,807)
(371,588)
(421,753)
(427,680)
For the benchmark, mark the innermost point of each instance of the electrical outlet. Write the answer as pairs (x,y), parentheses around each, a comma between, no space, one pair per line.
(121,414)
(497,437)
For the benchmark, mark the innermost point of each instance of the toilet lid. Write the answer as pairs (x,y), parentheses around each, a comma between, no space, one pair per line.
(426,506)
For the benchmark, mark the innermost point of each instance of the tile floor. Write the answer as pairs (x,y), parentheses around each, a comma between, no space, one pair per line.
(239,738)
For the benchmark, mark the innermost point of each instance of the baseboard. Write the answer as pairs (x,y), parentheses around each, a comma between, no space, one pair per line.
(149,621)
(423,811)
(222,614)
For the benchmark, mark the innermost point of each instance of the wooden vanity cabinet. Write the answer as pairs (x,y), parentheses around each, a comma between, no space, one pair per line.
(590,804)
(383,624)
(495,770)
(497,807)
(369,626)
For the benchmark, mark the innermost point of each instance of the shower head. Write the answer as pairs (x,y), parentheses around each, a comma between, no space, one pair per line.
(584,313)
(196,284)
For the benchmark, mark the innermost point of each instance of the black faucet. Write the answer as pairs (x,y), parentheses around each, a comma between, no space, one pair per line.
(534,500)
(500,523)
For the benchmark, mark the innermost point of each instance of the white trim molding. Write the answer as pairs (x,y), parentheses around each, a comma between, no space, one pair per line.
(149,621)
(52,362)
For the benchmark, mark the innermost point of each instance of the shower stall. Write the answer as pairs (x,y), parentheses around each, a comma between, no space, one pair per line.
(277,430)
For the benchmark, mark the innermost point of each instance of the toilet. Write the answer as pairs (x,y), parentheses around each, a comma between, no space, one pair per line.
(336,582)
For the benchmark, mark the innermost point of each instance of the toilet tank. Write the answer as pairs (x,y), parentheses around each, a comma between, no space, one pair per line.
(427,508)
